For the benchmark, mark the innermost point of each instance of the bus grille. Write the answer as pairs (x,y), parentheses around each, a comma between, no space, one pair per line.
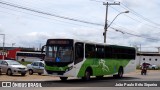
(55,72)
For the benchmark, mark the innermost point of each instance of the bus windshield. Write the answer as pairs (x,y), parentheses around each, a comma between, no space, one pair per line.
(59,53)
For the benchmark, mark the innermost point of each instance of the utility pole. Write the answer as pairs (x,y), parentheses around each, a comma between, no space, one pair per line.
(3,45)
(13,44)
(40,46)
(140,51)
(106,19)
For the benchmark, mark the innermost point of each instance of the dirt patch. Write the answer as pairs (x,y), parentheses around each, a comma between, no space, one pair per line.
(27,77)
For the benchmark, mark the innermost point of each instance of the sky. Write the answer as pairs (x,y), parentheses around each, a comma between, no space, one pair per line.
(24,28)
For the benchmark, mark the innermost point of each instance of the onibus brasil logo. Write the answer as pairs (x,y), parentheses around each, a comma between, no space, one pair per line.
(21,84)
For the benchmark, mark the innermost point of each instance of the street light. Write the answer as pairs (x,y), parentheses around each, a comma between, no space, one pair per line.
(116,17)
(3,43)
(107,26)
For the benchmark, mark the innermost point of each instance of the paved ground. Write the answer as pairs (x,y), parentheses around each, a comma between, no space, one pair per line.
(152,75)
(78,84)
(36,77)
(27,77)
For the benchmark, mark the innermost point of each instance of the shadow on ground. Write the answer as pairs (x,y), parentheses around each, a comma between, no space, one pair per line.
(94,82)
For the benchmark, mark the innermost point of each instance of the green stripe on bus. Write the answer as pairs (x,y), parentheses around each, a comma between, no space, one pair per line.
(102,66)
(56,68)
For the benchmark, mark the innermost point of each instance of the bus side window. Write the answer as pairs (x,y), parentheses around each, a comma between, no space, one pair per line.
(90,51)
(79,52)
(100,51)
(108,52)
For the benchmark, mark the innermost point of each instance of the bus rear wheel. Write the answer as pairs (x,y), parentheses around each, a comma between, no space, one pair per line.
(63,78)
(120,72)
(87,76)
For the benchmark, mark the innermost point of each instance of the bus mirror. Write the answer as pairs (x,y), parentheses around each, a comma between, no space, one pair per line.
(42,50)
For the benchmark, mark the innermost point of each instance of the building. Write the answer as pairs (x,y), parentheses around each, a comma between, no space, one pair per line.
(148,57)
(10,52)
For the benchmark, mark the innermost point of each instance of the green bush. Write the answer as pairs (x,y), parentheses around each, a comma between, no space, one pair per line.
(138,67)
(25,63)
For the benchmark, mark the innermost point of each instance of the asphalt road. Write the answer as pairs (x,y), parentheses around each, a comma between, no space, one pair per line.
(108,81)
(99,84)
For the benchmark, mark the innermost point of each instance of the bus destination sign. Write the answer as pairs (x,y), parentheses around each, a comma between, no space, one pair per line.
(59,42)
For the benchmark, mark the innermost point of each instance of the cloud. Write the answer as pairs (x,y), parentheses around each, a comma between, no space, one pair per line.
(32,39)
(30,30)
(1,30)
(76,33)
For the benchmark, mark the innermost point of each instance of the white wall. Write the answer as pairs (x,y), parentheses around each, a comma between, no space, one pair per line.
(159,50)
(148,59)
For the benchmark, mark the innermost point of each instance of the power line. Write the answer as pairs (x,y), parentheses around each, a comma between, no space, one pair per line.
(72,19)
(123,28)
(132,11)
(29,3)
(45,17)
(140,16)
(50,10)
(124,32)
(136,19)
(126,15)
(48,19)
(49,14)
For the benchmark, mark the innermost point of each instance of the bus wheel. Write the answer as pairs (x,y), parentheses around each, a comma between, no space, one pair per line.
(120,72)
(87,75)
(63,78)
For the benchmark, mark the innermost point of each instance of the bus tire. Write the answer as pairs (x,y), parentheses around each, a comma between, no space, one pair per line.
(30,72)
(120,72)
(63,78)
(87,75)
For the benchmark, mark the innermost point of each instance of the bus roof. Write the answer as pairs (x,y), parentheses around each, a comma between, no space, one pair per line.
(29,52)
(90,42)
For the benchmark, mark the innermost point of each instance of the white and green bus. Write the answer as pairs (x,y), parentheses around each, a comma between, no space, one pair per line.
(72,58)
